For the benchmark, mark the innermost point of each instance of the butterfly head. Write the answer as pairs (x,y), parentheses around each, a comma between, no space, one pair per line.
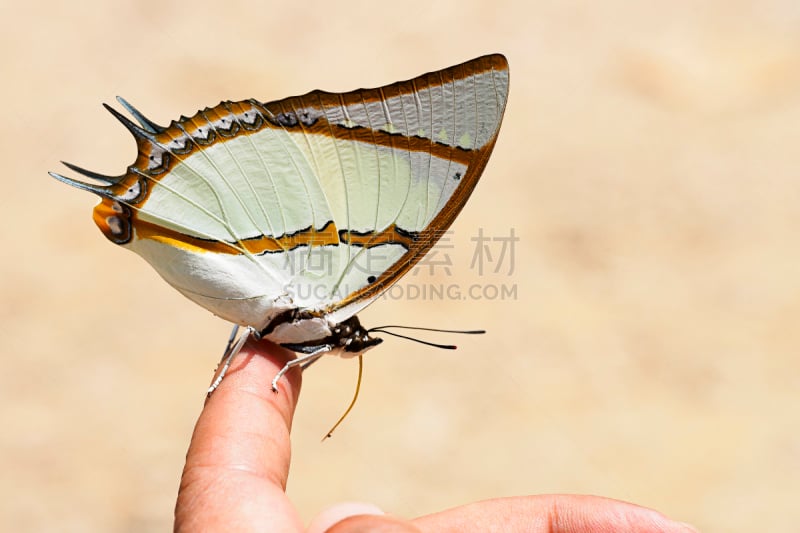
(353,338)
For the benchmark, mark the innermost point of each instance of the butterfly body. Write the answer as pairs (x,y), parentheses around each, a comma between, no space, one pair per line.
(291,216)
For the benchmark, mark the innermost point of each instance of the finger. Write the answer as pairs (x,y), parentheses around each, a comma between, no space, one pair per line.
(238,460)
(553,514)
(374,524)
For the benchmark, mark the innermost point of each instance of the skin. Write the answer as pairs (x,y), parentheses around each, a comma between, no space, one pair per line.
(238,463)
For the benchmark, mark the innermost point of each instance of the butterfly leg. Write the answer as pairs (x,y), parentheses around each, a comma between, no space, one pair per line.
(302,361)
(231,350)
(231,338)
(311,362)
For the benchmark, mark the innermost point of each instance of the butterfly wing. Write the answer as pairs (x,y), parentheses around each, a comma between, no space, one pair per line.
(397,164)
(317,202)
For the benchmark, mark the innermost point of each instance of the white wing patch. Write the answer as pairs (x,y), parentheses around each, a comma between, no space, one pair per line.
(253,185)
(370,187)
(251,291)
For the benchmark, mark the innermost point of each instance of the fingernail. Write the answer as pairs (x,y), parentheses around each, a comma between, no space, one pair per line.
(336,513)
(672,526)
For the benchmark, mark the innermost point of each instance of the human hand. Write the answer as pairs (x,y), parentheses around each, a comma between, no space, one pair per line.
(238,463)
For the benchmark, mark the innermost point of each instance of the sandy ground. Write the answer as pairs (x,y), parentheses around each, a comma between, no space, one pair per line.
(648,164)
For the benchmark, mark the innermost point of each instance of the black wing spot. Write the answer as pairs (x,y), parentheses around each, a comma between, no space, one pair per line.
(371,279)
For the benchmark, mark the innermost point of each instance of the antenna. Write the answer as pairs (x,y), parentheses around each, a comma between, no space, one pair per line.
(383,329)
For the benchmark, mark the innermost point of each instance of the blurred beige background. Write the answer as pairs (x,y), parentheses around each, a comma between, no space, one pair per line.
(648,163)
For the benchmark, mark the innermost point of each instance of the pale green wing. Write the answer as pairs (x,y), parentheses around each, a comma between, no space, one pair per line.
(316,202)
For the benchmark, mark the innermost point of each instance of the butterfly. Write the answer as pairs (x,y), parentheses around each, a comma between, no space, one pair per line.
(290,217)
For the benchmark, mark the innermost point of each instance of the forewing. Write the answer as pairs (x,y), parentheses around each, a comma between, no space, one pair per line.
(397,163)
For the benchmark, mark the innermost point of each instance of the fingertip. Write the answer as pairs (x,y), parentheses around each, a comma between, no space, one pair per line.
(244,423)
(252,371)
(648,518)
